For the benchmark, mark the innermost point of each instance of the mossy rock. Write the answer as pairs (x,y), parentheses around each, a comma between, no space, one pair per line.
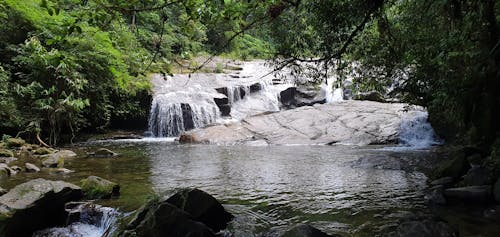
(454,168)
(98,188)
(6,153)
(53,162)
(15,142)
(43,151)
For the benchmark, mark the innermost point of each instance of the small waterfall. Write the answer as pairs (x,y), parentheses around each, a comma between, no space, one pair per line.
(94,221)
(417,132)
(170,116)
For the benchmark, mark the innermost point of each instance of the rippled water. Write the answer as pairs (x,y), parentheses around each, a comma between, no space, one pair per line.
(339,189)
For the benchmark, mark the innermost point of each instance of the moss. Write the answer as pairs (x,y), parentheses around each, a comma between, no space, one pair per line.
(98,188)
(14,142)
(6,153)
(42,151)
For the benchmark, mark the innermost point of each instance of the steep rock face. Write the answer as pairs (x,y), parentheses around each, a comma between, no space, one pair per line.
(35,205)
(348,122)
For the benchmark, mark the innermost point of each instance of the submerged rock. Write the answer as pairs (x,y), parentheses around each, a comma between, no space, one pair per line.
(98,188)
(103,153)
(304,230)
(190,212)
(35,205)
(472,194)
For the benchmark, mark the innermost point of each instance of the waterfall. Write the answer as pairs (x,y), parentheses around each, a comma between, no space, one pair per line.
(417,132)
(170,117)
(94,221)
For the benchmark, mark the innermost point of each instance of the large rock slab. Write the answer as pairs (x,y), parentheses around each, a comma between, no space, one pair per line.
(348,122)
(470,194)
(35,205)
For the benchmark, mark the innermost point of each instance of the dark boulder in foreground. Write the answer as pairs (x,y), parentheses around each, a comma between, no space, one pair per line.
(35,205)
(470,194)
(304,230)
(202,207)
(190,212)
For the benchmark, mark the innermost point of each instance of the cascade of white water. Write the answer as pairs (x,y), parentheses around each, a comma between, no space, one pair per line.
(417,132)
(94,221)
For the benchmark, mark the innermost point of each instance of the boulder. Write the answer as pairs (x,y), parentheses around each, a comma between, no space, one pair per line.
(65,153)
(3,191)
(436,196)
(496,190)
(6,153)
(98,188)
(43,151)
(31,167)
(476,176)
(469,194)
(158,219)
(445,181)
(424,228)
(53,161)
(304,230)
(7,160)
(103,153)
(6,170)
(35,205)
(16,168)
(87,212)
(62,171)
(186,138)
(15,142)
(202,207)
(454,168)
(371,96)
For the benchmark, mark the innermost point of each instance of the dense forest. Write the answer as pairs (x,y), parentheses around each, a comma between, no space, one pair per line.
(69,65)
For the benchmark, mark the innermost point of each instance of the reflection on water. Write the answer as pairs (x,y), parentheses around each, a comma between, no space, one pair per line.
(339,189)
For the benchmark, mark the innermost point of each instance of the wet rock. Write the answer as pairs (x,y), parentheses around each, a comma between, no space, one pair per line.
(16,168)
(436,196)
(424,228)
(38,202)
(31,167)
(445,181)
(454,168)
(53,161)
(6,153)
(476,176)
(86,212)
(469,194)
(43,151)
(62,171)
(6,171)
(496,190)
(202,207)
(158,219)
(255,87)
(371,96)
(66,153)
(14,142)
(3,191)
(98,188)
(224,106)
(103,153)
(348,122)
(304,230)
(186,138)
(7,160)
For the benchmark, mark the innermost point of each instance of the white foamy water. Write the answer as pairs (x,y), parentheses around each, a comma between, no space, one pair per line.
(417,132)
